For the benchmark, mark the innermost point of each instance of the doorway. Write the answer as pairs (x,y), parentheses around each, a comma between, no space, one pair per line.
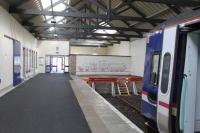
(56,64)
(190,98)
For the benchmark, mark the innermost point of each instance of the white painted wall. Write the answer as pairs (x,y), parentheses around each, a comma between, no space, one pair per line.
(50,48)
(122,49)
(10,27)
(136,49)
(138,52)
(88,50)
(103,65)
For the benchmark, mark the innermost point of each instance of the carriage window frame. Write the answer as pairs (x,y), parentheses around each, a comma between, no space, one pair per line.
(165,73)
(157,53)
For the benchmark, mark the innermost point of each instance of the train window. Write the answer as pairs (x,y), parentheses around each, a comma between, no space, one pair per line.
(165,72)
(154,75)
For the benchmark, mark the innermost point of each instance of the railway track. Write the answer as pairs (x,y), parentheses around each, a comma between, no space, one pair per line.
(131,112)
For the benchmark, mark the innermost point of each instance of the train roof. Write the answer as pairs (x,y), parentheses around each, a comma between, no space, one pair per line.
(180,19)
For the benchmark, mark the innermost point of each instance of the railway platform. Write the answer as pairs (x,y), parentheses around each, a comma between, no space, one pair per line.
(101,116)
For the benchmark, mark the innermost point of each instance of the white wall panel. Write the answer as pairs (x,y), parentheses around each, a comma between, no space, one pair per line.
(10,27)
(122,49)
(102,65)
(138,52)
(88,50)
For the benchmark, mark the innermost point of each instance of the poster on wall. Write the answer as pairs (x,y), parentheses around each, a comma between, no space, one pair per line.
(41,61)
(103,65)
(16,63)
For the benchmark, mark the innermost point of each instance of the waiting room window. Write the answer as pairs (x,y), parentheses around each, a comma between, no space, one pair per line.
(154,73)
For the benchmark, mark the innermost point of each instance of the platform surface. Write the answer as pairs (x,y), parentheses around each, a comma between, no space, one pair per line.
(44,104)
(102,117)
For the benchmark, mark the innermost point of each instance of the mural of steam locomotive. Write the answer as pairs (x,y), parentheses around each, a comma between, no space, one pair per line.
(171,90)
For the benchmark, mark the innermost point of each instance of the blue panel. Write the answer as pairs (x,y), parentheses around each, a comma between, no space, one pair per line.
(148,110)
(154,45)
(16,63)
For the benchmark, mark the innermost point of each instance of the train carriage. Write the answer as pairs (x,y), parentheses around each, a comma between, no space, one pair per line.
(171,90)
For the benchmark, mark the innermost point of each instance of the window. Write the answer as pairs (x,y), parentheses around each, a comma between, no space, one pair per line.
(155,64)
(165,73)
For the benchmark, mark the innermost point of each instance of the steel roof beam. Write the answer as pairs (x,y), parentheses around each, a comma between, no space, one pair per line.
(134,8)
(84,15)
(85,27)
(86,34)
(173,8)
(98,4)
(77,37)
(174,2)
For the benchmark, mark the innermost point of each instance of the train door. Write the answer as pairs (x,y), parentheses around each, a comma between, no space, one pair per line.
(166,88)
(190,95)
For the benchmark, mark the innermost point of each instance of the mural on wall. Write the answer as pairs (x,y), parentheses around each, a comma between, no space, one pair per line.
(103,64)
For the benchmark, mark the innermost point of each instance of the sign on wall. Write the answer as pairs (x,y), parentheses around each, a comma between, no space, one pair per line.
(110,65)
(16,63)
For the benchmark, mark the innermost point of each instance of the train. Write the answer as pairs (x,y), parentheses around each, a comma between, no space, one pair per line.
(171,84)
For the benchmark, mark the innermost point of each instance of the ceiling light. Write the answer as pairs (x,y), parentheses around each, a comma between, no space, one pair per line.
(106,31)
(52,28)
(111,31)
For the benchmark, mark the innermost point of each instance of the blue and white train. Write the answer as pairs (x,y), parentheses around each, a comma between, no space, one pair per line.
(171,90)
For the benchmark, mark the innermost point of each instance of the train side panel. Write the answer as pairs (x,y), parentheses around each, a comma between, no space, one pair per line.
(151,75)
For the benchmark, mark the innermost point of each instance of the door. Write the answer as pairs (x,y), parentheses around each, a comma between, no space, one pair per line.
(190,96)
(165,89)
(48,64)
(66,64)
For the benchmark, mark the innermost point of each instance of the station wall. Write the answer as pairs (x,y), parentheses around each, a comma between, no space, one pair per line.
(138,52)
(10,27)
(122,49)
(88,50)
(102,65)
(51,48)
(135,49)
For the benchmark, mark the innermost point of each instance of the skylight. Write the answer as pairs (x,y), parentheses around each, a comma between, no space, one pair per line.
(48,17)
(59,7)
(47,3)
(100,31)
(104,24)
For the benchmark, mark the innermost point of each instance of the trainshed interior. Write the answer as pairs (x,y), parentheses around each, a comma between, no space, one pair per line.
(78,66)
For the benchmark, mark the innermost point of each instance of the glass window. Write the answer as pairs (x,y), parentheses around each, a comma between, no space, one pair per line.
(165,72)
(155,64)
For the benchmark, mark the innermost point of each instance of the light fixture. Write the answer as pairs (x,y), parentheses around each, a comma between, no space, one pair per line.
(52,28)
(103,31)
